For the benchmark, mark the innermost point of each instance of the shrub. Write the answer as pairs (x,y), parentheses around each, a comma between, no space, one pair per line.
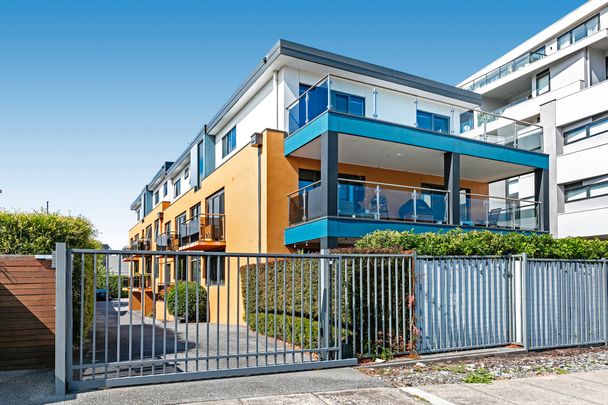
(460,243)
(297,330)
(296,293)
(113,284)
(187,309)
(37,232)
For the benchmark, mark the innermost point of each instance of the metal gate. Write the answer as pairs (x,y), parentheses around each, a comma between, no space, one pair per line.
(236,314)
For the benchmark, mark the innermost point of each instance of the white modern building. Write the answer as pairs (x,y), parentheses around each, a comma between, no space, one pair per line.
(558,79)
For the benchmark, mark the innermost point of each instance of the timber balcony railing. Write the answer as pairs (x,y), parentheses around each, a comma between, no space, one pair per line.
(360,99)
(391,202)
(203,229)
(167,241)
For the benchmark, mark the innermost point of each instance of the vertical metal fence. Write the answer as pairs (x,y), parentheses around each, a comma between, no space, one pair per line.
(463,303)
(566,303)
(162,316)
(377,308)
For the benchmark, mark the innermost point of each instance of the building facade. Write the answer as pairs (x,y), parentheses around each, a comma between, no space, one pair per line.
(558,79)
(315,150)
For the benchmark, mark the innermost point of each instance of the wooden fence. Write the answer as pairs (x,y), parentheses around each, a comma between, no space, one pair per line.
(27,313)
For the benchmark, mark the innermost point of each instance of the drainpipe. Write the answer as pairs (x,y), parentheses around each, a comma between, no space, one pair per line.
(256,142)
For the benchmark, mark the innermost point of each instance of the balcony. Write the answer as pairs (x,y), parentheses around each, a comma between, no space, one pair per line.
(203,232)
(136,245)
(381,202)
(504,70)
(167,241)
(384,105)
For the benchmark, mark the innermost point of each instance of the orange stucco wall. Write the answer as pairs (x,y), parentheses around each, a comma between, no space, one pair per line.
(238,176)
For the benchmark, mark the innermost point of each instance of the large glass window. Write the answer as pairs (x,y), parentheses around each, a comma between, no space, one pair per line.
(229,142)
(592,129)
(432,121)
(587,28)
(215,270)
(543,81)
(348,103)
(590,188)
(177,188)
(156,197)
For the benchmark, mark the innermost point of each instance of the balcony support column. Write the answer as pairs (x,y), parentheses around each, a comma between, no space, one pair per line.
(329,182)
(541,194)
(451,178)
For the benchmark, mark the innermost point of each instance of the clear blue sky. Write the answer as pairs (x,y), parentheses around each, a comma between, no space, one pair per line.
(94,95)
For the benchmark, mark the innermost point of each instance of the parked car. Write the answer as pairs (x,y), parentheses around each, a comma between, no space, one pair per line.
(102,293)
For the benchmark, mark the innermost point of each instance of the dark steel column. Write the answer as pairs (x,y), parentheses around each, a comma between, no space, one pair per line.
(451,178)
(329,182)
(541,194)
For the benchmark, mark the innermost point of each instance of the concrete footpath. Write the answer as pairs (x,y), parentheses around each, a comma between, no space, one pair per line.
(577,388)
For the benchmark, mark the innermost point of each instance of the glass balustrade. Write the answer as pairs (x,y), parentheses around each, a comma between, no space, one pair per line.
(498,212)
(356,98)
(391,202)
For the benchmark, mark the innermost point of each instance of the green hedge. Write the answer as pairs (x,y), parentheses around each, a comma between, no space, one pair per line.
(114,285)
(188,310)
(37,232)
(300,335)
(289,275)
(457,242)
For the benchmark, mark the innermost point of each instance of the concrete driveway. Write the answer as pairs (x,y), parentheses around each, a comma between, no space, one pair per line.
(131,337)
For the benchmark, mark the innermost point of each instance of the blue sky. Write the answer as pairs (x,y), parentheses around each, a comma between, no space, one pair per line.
(95,95)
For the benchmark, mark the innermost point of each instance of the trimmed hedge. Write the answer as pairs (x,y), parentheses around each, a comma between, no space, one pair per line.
(293,285)
(113,284)
(188,310)
(299,336)
(460,243)
(37,232)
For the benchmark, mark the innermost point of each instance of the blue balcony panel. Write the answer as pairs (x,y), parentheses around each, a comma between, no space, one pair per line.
(374,129)
(356,228)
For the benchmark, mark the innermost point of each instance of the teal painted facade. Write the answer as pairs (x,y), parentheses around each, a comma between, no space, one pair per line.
(380,130)
(356,228)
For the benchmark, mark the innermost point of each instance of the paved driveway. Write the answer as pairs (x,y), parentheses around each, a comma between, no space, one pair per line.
(131,337)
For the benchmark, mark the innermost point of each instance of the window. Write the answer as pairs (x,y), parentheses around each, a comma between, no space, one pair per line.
(180,226)
(168,227)
(186,172)
(156,228)
(513,188)
(592,129)
(177,188)
(348,103)
(156,197)
(165,189)
(215,270)
(543,83)
(585,189)
(587,28)
(466,121)
(149,232)
(195,211)
(201,164)
(432,122)
(181,274)
(138,215)
(229,142)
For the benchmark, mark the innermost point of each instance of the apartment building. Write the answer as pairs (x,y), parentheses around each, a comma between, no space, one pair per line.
(315,150)
(558,79)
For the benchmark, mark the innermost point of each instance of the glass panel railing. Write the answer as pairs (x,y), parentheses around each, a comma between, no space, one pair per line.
(369,200)
(309,105)
(213,227)
(167,241)
(305,204)
(497,212)
(504,70)
(357,98)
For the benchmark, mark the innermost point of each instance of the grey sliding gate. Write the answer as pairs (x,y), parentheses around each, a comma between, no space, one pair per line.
(236,314)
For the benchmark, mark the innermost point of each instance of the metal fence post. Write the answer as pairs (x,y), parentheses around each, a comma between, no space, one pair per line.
(524,300)
(605,292)
(60,319)
(324,280)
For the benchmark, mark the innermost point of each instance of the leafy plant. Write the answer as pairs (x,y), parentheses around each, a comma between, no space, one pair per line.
(187,308)
(460,243)
(479,376)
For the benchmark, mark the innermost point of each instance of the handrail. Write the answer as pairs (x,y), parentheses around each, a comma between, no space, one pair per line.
(303,188)
(395,185)
(503,198)
(314,86)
